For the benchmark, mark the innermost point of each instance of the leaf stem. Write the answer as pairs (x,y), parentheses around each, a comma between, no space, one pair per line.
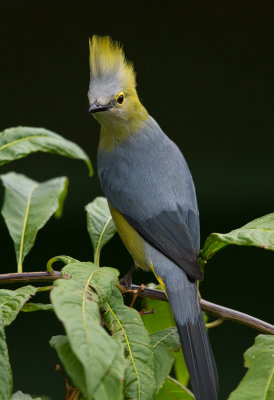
(215,323)
(44,289)
(98,247)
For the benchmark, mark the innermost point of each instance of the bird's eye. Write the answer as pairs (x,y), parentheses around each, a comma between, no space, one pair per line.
(120,98)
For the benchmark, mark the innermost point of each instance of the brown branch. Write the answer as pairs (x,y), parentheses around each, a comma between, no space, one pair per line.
(210,308)
(29,277)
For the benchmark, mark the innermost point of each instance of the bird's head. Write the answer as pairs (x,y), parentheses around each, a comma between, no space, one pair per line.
(112,91)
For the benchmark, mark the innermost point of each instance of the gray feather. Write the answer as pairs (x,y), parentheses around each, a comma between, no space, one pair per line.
(183,298)
(147,179)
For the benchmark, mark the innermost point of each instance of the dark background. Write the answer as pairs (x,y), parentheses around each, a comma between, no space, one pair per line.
(205,73)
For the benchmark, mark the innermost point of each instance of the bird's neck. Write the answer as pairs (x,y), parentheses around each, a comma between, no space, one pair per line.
(115,130)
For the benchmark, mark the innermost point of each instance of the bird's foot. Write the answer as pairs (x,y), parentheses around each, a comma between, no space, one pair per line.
(137,293)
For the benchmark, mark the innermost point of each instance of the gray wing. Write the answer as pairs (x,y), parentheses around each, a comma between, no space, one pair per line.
(148,181)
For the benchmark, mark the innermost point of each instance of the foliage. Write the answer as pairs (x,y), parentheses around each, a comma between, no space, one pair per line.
(173,389)
(12,301)
(258,383)
(18,142)
(126,325)
(100,225)
(76,303)
(109,351)
(163,344)
(5,369)
(27,207)
(259,233)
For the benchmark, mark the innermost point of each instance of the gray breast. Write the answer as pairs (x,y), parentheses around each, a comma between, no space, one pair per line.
(149,172)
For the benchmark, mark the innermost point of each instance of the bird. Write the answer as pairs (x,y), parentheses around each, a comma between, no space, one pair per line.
(152,200)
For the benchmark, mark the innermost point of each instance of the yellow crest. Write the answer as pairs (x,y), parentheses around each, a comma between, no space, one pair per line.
(108,62)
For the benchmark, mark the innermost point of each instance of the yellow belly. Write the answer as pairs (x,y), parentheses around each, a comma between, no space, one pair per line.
(131,239)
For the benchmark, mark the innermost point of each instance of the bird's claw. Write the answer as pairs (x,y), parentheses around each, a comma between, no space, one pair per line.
(137,293)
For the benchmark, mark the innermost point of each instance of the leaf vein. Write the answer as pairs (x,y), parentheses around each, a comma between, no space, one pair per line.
(162,339)
(20,267)
(84,299)
(20,140)
(129,349)
(268,383)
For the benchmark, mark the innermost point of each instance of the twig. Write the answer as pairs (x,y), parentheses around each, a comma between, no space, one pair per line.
(211,308)
(143,312)
(27,277)
(74,393)
(71,391)
(236,316)
(67,385)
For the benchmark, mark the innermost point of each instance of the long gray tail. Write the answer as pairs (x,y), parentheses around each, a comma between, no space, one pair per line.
(183,298)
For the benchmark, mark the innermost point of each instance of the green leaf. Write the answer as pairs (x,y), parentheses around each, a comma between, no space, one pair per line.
(100,225)
(72,365)
(163,319)
(111,387)
(180,368)
(103,280)
(20,141)
(29,307)
(258,383)
(28,205)
(76,303)
(112,383)
(11,302)
(163,343)
(5,369)
(174,390)
(126,325)
(22,396)
(259,233)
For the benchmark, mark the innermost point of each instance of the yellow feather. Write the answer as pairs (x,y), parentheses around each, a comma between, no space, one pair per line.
(107,58)
(131,239)
(159,279)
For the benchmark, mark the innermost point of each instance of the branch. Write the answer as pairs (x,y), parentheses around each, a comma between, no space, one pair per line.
(210,308)
(29,277)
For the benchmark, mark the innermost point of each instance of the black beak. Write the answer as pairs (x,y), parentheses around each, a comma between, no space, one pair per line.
(96,107)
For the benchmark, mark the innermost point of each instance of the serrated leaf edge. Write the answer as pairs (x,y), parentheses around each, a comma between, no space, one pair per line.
(16,296)
(180,385)
(162,339)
